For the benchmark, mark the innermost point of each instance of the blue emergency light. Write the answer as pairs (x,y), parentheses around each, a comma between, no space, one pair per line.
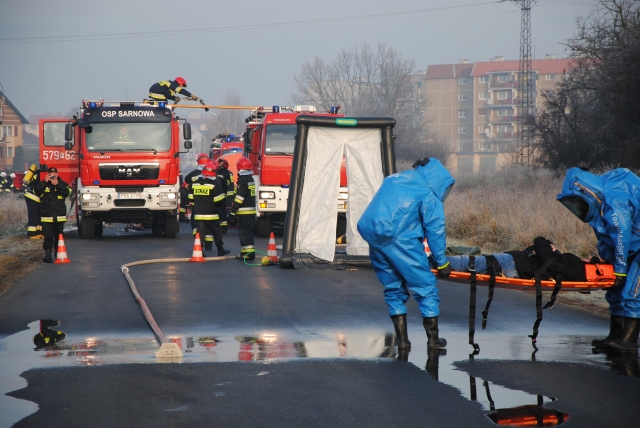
(334,110)
(160,181)
(96,181)
(93,105)
(231,136)
(276,109)
(162,104)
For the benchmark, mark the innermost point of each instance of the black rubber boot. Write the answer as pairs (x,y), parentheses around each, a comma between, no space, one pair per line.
(47,257)
(431,326)
(616,327)
(628,341)
(222,251)
(400,324)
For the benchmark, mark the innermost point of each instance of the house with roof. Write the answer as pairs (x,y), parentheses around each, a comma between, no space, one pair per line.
(475,106)
(11,122)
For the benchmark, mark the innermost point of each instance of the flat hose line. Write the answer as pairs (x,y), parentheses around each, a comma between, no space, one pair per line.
(145,310)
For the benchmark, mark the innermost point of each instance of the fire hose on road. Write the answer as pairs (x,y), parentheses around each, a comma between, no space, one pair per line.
(167,349)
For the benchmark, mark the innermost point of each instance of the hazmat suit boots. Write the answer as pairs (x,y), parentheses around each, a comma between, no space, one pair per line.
(431,326)
(400,324)
(628,341)
(222,251)
(47,257)
(616,329)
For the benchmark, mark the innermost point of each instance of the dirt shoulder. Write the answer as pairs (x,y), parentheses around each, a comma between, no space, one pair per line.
(18,257)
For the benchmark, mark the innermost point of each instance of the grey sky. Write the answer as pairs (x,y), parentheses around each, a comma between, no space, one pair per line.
(257,63)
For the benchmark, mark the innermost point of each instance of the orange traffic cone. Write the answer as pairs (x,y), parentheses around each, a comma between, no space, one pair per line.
(197,250)
(272,253)
(426,248)
(61,254)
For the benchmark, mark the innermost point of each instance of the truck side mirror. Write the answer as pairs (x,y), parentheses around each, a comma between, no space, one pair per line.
(68,145)
(247,140)
(186,131)
(68,133)
(188,145)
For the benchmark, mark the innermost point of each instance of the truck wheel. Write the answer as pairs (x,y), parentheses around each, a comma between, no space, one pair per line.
(87,226)
(264,227)
(97,228)
(156,228)
(341,227)
(171,227)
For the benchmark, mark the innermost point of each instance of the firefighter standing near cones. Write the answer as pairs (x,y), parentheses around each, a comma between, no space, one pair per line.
(226,181)
(202,160)
(53,210)
(31,179)
(207,197)
(244,207)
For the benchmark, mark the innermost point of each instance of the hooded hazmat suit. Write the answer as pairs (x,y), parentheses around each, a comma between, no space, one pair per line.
(610,203)
(408,207)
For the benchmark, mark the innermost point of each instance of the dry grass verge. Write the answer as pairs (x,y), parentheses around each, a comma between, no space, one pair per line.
(507,210)
(18,257)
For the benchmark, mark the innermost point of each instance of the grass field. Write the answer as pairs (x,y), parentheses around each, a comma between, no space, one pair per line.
(508,209)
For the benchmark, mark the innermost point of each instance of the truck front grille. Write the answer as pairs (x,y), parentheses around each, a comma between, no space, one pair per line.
(129,202)
(129,172)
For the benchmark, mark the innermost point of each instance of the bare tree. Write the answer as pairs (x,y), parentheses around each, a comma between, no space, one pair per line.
(365,82)
(593,117)
(227,121)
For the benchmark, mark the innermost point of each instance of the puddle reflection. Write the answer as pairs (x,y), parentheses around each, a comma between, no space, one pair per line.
(504,406)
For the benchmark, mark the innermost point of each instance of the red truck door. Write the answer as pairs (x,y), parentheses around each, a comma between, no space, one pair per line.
(52,152)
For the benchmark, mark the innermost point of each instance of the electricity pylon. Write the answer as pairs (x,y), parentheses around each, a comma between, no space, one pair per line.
(526,86)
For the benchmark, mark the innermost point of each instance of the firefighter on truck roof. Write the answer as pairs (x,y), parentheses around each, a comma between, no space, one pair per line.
(169,90)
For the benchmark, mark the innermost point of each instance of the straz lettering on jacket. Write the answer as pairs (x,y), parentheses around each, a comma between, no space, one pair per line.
(202,190)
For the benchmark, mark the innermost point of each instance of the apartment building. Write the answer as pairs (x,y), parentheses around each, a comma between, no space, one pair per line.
(11,121)
(475,107)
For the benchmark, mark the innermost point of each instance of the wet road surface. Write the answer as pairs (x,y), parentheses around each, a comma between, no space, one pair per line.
(266,346)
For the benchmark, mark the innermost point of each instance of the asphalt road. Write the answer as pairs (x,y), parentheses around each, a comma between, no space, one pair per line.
(265,346)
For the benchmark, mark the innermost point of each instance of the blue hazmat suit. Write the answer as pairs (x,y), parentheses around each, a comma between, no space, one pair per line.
(610,203)
(408,207)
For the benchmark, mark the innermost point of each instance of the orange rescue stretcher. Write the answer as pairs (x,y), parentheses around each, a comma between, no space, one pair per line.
(597,283)
(599,276)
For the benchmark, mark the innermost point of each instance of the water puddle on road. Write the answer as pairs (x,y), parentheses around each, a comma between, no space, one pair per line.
(504,406)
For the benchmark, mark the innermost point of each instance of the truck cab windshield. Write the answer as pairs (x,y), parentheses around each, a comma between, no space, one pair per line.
(124,137)
(280,139)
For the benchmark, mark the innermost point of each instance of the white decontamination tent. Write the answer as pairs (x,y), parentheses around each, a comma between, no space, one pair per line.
(321,143)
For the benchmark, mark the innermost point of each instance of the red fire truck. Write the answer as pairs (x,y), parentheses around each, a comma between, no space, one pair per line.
(269,144)
(122,158)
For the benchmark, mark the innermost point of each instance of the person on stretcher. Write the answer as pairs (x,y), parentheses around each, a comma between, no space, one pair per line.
(523,264)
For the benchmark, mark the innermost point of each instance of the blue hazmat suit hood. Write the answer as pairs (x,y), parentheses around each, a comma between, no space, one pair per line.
(440,180)
(611,205)
(582,193)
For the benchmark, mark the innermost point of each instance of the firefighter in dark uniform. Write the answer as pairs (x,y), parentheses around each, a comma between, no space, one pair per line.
(31,179)
(244,207)
(207,197)
(226,181)
(4,183)
(202,159)
(11,183)
(169,90)
(53,211)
